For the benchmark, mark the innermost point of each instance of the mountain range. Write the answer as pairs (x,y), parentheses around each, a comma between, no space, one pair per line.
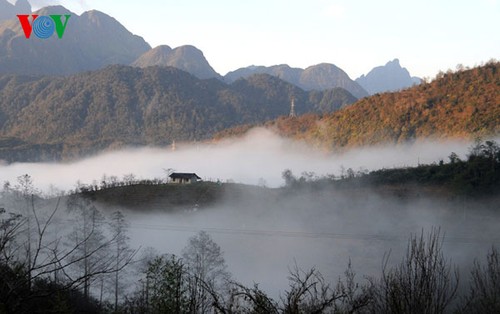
(94,40)
(102,87)
(91,41)
(317,77)
(464,104)
(62,117)
(47,118)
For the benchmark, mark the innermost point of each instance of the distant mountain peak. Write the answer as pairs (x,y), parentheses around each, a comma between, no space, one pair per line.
(187,58)
(163,48)
(91,41)
(316,77)
(435,114)
(123,105)
(23,6)
(394,62)
(8,10)
(389,77)
(53,9)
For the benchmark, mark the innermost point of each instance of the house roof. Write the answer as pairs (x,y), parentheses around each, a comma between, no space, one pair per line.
(183,175)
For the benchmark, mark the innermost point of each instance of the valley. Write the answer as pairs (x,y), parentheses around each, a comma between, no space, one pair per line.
(136,178)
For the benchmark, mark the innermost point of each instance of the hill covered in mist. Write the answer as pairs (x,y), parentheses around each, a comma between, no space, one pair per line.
(477,177)
(51,118)
(464,104)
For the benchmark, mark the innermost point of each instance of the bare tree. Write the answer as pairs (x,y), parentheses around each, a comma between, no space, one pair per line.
(38,261)
(207,267)
(138,301)
(46,258)
(10,226)
(424,282)
(242,299)
(168,290)
(354,297)
(25,192)
(484,295)
(129,179)
(308,293)
(122,251)
(88,230)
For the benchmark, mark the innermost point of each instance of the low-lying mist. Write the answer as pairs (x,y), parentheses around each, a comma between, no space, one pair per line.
(264,236)
(264,232)
(260,157)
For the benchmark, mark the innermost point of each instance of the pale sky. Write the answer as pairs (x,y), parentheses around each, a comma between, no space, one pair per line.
(356,35)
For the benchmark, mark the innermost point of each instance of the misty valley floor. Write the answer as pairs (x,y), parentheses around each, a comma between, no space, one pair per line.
(362,218)
(263,231)
(321,223)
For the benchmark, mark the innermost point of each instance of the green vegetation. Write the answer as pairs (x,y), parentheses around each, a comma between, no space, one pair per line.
(61,118)
(156,195)
(478,175)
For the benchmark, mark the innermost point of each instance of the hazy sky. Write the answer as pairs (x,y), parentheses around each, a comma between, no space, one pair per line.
(356,35)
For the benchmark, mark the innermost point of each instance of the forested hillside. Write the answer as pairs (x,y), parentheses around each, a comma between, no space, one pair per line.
(59,117)
(463,104)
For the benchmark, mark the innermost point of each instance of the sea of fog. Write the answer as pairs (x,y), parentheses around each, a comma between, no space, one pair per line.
(260,157)
(262,238)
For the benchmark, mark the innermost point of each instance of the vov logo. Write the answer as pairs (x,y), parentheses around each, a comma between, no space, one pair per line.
(43,26)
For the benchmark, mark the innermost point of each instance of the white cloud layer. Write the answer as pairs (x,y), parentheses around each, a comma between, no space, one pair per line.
(259,155)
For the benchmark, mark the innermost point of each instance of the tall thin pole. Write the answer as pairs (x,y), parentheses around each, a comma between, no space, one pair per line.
(292,108)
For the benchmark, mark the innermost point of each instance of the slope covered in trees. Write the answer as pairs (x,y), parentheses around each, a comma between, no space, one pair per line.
(56,117)
(463,104)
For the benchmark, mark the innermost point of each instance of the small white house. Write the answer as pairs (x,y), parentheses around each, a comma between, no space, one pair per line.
(184,178)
